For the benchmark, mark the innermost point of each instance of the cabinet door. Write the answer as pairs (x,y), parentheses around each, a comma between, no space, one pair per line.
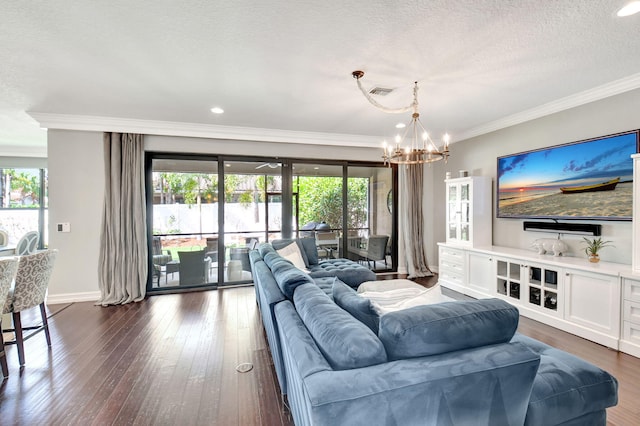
(481,275)
(508,278)
(453,212)
(544,289)
(459,212)
(464,209)
(593,301)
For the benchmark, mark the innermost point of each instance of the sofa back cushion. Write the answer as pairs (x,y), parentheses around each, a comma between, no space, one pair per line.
(446,327)
(292,253)
(309,250)
(345,342)
(265,248)
(349,300)
(307,246)
(288,276)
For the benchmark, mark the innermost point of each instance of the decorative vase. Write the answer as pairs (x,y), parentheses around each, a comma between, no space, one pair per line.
(594,258)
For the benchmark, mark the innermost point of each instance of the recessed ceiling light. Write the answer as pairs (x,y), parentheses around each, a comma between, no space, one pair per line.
(630,9)
(400,126)
(217,110)
(316,168)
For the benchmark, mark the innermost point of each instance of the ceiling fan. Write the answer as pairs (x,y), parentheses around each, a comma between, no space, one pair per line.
(270,165)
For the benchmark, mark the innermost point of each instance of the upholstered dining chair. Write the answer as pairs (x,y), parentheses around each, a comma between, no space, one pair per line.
(30,289)
(28,243)
(8,269)
(4,238)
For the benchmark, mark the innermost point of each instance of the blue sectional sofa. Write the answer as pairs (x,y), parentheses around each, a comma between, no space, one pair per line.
(453,363)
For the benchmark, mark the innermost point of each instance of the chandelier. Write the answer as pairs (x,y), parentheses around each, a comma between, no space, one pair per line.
(419,149)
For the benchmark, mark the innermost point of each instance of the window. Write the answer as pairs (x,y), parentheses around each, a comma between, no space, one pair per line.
(23,203)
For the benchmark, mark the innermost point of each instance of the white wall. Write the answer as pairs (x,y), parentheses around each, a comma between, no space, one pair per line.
(478,156)
(76,188)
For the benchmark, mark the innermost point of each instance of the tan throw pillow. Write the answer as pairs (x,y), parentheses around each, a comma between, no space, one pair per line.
(292,253)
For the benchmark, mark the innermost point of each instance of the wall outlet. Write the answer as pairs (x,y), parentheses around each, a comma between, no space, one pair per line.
(64,227)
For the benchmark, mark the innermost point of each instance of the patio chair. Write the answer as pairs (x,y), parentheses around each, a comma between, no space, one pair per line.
(377,249)
(162,262)
(8,269)
(193,267)
(32,280)
(4,238)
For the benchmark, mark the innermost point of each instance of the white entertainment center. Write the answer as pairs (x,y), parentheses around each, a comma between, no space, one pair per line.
(597,301)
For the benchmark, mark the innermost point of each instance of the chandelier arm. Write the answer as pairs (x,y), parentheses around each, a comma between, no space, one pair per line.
(380,106)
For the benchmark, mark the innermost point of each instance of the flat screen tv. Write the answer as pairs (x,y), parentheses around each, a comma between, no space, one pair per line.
(588,179)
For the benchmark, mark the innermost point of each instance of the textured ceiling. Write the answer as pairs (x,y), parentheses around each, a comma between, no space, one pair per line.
(287,65)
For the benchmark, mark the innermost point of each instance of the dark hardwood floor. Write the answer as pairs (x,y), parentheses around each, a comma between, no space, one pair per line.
(172,360)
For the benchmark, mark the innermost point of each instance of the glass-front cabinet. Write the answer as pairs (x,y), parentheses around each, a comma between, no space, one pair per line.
(468,211)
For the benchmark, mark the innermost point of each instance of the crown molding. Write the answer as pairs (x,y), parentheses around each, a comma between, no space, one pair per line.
(170,128)
(604,91)
(23,151)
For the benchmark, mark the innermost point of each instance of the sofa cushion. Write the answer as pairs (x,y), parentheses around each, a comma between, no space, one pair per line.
(325,284)
(309,250)
(344,341)
(446,327)
(349,272)
(292,253)
(265,248)
(566,387)
(271,259)
(349,300)
(289,277)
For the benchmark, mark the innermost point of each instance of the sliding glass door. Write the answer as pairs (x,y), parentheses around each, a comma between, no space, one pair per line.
(348,209)
(252,213)
(206,213)
(370,219)
(184,218)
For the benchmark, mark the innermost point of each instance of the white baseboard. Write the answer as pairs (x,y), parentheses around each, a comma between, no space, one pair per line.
(87,296)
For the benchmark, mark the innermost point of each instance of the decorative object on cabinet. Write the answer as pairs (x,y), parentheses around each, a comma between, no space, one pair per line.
(550,245)
(420,148)
(594,245)
(571,180)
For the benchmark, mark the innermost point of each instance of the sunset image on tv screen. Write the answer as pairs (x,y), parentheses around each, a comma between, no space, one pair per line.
(588,179)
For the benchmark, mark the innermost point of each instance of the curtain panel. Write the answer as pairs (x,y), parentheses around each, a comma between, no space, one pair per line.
(123,263)
(412,220)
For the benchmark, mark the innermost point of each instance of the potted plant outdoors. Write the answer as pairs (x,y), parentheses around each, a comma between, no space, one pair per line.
(594,246)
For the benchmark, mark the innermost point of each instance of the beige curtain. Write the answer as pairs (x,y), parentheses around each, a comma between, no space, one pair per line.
(123,266)
(412,220)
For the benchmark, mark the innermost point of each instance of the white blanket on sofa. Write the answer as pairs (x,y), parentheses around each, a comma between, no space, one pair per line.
(403,298)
